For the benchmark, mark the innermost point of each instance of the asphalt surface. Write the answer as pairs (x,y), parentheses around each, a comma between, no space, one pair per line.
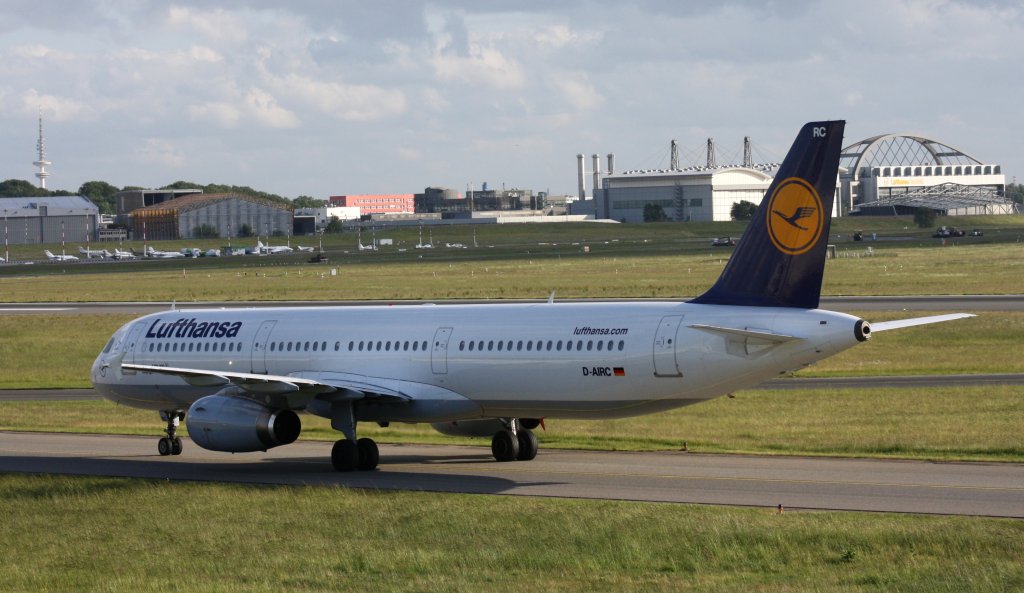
(965,303)
(797,483)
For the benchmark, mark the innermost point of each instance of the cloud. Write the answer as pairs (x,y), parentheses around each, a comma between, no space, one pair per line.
(580,94)
(350,102)
(214,24)
(264,108)
(53,107)
(160,152)
(483,66)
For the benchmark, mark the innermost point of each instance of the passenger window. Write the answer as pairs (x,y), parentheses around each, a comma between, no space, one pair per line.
(323,347)
(351,345)
(590,344)
(568,345)
(337,346)
(379,344)
(622,344)
(272,345)
(306,347)
(490,345)
(579,344)
(405,346)
(315,345)
(500,345)
(558,345)
(424,346)
(600,345)
(462,345)
(519,345)
(415,346)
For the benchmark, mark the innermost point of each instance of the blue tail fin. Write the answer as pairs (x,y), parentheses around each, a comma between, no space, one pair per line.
(781,257)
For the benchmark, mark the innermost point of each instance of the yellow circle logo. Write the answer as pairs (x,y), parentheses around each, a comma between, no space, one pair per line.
(795,216)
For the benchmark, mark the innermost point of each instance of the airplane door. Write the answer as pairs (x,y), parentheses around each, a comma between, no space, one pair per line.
(259,347)
(439,353)
(131,343)
(665,347)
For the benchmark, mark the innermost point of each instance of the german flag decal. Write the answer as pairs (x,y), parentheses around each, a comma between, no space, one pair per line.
(619,371)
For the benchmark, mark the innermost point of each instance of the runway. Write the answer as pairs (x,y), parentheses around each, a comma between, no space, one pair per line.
(966,303)
(797,483)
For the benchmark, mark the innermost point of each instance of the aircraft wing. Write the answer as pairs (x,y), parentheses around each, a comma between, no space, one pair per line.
(296,390)
(882,326)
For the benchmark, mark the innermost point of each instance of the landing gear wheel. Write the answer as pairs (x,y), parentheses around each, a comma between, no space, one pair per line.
(164,446)
(504,446)
(528,445)
(345,455)
(176,446)
(369,455)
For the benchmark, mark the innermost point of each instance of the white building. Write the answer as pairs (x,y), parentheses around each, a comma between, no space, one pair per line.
(324,214)
(698,194)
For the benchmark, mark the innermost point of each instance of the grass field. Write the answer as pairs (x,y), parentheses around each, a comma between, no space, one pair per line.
(515,261)
(135,535)
(972,423)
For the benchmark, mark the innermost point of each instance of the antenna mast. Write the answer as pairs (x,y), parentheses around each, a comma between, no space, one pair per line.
(42,163)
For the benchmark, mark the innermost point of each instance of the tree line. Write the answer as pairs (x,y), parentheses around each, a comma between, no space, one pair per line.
(103,194)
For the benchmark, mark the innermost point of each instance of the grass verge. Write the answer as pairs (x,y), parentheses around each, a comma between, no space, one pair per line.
(222,537)
(969,423)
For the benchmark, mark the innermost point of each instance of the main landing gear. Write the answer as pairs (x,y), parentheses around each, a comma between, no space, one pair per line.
(170,444)
(515,442)
(350,453)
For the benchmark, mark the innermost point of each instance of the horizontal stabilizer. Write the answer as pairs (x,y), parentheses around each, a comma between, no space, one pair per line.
(882,326)
(746,333)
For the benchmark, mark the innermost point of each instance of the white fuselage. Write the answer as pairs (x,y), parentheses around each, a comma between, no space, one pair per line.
(560,360)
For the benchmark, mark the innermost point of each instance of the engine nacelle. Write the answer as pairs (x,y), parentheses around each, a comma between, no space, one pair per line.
(239,425)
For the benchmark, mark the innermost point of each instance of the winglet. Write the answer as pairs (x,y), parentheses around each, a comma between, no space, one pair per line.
(781,257)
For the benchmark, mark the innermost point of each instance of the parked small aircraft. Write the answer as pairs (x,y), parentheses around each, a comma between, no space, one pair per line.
(61,257)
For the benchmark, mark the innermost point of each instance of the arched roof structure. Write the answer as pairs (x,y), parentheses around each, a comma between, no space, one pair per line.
(914,171)
(901,149)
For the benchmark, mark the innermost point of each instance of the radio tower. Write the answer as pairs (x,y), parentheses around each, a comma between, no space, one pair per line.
(42,163)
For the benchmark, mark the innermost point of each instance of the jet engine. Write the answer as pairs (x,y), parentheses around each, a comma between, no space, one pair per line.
(479,428)
(239,425)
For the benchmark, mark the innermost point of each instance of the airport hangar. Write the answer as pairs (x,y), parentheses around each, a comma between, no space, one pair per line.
(889,174)
(183,217)
(34,220)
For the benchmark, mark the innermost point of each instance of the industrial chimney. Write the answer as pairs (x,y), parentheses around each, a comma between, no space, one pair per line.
(582,176)
(597,173)
(611,163)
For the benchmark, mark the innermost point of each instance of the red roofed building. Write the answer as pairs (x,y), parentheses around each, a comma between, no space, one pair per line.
(377,203)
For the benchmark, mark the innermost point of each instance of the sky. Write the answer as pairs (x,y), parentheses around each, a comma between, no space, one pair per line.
(330,97)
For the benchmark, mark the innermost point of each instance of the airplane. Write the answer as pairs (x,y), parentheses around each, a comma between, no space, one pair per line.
(150,252)
(53,257)
(238,376)
(306,249)
(118,254)
(271,249)
(97,253)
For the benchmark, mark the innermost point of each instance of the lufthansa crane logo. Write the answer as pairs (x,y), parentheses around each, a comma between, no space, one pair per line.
(795,217)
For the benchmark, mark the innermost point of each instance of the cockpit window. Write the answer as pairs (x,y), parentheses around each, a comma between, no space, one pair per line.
(110,344)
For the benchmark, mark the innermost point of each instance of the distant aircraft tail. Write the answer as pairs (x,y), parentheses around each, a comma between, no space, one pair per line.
(780,259)
(48,254)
